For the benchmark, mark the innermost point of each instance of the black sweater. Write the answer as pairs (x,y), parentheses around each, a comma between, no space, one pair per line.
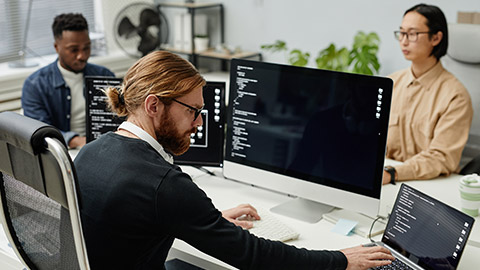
(134,203)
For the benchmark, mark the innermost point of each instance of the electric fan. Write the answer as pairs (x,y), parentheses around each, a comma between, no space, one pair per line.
(140,28)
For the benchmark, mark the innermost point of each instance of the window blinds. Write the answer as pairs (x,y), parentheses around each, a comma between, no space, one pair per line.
(39,41)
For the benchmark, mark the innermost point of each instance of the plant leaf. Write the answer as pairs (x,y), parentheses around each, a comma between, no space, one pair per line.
(298,58)
(278,46)
(332,59)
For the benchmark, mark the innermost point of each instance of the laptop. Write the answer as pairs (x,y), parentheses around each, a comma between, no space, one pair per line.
(424,233)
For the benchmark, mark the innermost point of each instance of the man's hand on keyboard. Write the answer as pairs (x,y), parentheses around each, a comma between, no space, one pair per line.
(366,257)
(243,210)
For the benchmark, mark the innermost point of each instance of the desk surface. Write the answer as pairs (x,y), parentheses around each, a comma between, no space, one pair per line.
(227,193)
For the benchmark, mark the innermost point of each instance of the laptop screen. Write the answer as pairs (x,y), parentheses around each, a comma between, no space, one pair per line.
(427,231)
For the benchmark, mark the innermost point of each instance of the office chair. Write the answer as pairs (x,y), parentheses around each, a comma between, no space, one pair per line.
(473,166)
(38,195)
(463,61)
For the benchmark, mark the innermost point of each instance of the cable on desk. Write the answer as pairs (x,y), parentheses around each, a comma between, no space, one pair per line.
(371,227)
(204,170)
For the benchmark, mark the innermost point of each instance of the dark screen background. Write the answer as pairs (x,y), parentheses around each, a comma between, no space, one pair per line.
(430,233)
(207,148)
(315,125)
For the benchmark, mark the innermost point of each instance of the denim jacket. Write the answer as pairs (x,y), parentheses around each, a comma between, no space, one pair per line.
(46,97)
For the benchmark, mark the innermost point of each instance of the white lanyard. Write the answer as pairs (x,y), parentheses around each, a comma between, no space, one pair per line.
(142,134)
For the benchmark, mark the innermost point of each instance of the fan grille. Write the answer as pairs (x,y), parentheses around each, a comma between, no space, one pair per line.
(140,28)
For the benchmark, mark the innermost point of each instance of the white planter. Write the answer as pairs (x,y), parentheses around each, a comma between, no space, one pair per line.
(201,44)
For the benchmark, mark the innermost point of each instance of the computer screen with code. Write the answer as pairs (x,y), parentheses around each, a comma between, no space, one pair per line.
(206,147)
(430,233)
(317,134)
(99,120)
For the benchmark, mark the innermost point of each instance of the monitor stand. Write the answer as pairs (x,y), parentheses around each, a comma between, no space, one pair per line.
(302,209)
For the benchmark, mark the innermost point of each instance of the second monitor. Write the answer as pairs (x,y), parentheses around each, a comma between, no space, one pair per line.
(206,147)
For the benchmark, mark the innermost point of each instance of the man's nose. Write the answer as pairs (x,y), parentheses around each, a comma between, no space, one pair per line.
(83,55)
(199,121)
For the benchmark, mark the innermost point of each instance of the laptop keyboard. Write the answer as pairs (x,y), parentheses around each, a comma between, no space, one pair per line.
(396,264)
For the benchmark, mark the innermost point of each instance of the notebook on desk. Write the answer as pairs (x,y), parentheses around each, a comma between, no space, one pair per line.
(424,233)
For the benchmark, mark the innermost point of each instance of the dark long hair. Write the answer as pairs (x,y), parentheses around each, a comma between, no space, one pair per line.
(436,22)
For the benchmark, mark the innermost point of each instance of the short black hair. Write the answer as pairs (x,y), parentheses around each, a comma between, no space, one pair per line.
(436,22)
(68,22)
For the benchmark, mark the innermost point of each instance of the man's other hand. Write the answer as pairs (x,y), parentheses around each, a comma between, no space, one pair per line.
(77,142)
(241,215)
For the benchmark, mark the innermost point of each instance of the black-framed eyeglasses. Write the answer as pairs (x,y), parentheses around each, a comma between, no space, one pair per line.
(195,110)
(411,36)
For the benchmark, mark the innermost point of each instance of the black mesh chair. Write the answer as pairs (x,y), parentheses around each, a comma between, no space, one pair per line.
(39,207)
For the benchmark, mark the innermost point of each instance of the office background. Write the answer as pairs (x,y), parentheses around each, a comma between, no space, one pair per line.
(304,24)
(311,25)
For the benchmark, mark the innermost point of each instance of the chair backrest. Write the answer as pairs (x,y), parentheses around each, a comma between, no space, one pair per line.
(463,61)
(38,195)
(472,167)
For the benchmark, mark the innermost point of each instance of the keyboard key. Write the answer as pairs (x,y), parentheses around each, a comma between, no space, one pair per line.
(395,265)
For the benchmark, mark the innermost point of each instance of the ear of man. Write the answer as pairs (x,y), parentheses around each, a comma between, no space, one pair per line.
(153,106)
(437,38)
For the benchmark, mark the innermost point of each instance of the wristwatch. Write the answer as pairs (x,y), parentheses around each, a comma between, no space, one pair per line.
(391,170)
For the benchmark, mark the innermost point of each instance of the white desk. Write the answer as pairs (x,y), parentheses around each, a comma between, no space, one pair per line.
(226,194)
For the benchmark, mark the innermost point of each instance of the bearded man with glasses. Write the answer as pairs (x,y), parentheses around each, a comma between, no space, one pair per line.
(135,201)
(431,110)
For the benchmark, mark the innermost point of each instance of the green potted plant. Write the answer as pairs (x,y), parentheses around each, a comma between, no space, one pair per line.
(295,57)
(362,58)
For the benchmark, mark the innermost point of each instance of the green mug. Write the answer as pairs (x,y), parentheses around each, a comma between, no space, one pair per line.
(470,194)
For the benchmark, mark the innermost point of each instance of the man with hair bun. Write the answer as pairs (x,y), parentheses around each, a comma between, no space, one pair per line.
(135,201)
(55,93)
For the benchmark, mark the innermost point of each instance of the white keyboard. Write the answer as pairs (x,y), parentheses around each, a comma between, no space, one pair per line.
(270,227)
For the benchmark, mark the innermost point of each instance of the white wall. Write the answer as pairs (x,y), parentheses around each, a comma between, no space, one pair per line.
(311,25)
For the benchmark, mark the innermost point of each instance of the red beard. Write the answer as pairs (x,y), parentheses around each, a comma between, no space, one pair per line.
(169,137)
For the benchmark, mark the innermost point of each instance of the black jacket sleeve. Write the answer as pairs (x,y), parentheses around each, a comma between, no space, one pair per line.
(188,214)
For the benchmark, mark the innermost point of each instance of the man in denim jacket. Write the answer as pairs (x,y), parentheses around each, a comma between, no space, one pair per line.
(55,93)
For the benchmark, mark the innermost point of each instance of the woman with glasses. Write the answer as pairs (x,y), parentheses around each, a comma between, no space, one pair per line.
(431,110)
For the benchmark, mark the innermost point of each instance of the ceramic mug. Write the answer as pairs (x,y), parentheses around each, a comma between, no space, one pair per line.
(470,194)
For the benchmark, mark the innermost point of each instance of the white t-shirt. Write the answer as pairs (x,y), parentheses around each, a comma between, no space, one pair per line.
(77,113)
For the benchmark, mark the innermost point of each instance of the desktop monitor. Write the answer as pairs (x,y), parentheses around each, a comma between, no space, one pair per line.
(99,119)
(314,134)
(207,145)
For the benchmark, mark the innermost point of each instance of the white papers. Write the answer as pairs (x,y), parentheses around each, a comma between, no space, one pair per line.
(182,26)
